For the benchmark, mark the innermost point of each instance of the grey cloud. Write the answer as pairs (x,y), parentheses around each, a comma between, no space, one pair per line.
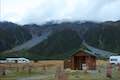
(95,10)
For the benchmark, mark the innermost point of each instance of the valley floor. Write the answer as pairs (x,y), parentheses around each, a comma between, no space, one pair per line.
(49,70)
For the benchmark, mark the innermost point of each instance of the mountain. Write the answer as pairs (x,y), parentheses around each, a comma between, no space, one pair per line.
(30,43)
(105,37)
(56,45)
(67,36)
(12,35)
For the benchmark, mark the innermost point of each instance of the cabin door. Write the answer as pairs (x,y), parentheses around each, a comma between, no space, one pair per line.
(81,62)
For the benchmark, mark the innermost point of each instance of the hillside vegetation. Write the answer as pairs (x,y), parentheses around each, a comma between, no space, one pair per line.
(65,37)
(12,35)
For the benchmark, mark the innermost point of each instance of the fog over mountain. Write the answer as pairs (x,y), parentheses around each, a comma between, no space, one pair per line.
(40,11)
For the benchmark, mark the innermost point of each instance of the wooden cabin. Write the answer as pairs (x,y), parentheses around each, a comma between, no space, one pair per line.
(79,60)
(85,57)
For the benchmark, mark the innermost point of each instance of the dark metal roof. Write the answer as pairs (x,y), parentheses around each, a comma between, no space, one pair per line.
(92,51)
(98,52)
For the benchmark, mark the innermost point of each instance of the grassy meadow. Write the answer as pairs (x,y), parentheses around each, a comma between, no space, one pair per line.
(47,70)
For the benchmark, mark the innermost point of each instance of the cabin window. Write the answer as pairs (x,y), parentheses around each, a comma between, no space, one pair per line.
(113,59)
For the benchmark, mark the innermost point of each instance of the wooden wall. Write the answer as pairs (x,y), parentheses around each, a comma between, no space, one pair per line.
(80,58)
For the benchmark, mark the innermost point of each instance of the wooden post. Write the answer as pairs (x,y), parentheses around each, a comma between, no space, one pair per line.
(60,74)
(17,67)
(29,69)
(23,67)
(109,71)
(72,63)
(119,67)
(3,71)
(44,67)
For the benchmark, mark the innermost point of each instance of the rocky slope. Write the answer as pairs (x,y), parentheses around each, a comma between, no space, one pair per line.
(66,37)
(12,35)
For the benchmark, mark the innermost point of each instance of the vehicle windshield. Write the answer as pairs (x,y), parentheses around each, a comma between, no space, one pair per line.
(113,59)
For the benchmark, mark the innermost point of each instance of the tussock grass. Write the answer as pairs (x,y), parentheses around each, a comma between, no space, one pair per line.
(46,70)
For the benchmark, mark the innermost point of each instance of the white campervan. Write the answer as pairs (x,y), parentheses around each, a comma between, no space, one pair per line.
(17,60)
(114,59)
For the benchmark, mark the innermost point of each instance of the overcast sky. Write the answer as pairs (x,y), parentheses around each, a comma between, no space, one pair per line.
(39,11)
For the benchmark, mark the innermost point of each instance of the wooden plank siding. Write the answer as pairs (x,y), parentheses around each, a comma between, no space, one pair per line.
(76,61)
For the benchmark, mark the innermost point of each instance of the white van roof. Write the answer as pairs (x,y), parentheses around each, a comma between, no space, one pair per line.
(14,58)
(114,56)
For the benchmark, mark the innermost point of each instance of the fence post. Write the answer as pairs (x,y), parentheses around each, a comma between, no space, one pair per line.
(60,74)
(3,71)
(29,69)
(44,67)
(119,67)
(109,71)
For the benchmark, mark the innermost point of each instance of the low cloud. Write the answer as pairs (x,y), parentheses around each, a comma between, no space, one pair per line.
(39,11)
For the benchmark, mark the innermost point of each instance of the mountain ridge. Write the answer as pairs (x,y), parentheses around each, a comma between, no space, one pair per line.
(67,36)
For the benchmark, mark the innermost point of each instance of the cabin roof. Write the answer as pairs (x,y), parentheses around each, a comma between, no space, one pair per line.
(99,52)
(92,51)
